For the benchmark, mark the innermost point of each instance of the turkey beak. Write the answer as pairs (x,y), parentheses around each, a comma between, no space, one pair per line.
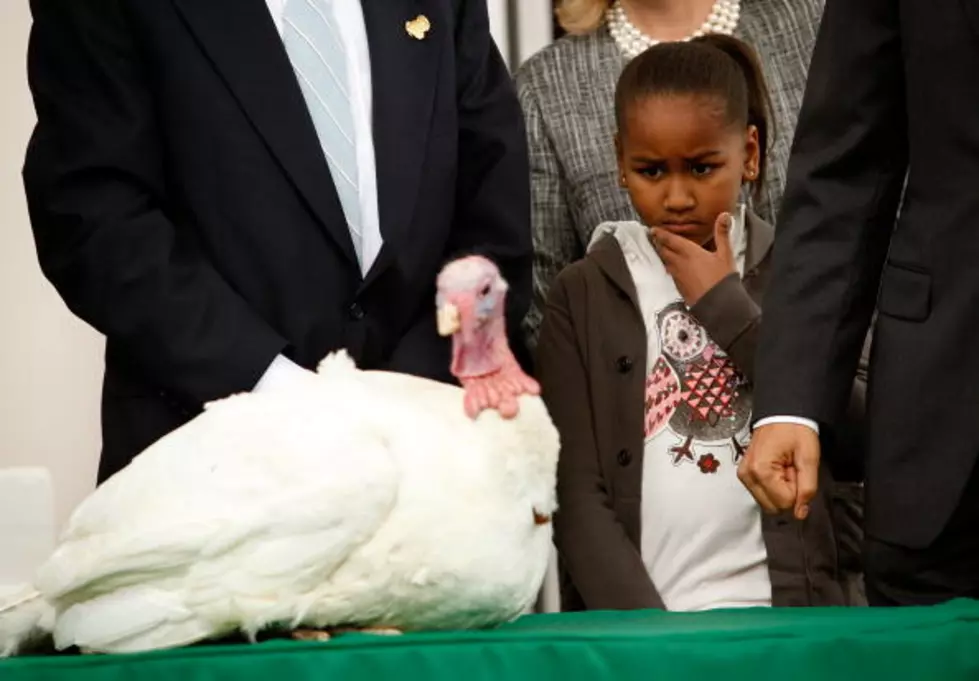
(448,319)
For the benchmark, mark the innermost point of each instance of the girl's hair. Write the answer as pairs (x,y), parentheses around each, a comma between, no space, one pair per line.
(713,65)
(581,16)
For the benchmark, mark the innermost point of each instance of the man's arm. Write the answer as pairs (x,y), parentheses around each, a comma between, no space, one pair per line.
(844,183)
(96,191)
(493,188)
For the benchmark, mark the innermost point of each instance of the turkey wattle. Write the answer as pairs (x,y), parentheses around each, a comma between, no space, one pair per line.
(359,499)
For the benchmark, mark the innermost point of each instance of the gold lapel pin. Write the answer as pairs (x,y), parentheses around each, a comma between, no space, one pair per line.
(418,27)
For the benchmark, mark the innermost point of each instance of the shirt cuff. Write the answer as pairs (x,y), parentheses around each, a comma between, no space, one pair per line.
(281,372)
(797,420)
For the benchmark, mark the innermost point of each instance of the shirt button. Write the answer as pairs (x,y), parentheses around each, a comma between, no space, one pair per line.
(356,312)
(624,458)
(624,364)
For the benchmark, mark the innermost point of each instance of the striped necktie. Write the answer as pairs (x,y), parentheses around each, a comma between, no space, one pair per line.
(316,51)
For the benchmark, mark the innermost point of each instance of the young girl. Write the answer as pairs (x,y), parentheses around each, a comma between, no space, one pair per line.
(646,358)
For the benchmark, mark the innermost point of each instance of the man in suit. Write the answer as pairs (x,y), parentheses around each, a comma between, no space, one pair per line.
(231,189)
(886,100)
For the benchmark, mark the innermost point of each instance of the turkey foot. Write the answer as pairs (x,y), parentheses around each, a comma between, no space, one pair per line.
(374,631)
(311,635)
(499,390)
(327,634)
(738,449)
(682,452)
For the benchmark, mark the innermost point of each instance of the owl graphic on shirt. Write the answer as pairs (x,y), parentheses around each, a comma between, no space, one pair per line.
(696,390)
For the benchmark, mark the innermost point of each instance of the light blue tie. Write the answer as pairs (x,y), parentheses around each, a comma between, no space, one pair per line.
(316,51)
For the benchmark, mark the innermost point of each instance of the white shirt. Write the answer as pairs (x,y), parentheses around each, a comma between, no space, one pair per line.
(701,539)
(349,17)
(797,420)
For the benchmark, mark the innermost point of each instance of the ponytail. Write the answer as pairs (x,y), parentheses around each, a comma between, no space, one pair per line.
(759,99)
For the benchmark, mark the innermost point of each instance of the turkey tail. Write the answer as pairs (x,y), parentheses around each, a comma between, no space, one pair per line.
(335,362)
(26,620)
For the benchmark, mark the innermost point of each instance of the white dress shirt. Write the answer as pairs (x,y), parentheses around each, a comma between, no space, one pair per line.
(349,17)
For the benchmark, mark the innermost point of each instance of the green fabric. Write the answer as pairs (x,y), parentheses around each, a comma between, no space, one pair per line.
(940,643)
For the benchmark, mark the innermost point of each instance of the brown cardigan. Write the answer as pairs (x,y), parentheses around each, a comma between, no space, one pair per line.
(591,358)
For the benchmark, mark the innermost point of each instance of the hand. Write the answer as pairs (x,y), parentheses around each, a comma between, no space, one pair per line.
(781,467)
(694,269)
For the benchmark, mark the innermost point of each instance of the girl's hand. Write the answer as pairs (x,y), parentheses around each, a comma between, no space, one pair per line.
(694,269)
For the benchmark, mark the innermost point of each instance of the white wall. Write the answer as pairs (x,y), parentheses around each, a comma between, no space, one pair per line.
(534,29)
(498,27)
(534,25)
(50,363)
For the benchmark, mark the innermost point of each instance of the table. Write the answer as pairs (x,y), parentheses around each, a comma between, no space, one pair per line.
(937,643)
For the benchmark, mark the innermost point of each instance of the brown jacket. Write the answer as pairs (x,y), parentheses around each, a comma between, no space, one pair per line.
(591,361)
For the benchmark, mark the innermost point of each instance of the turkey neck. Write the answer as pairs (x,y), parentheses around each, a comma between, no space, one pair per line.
(480,350)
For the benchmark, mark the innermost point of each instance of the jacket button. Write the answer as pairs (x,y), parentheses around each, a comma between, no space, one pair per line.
(624,458)
(624,364)
(356,312)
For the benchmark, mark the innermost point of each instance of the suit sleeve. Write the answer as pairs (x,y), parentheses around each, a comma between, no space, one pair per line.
(492,215)
(603,564)
(844,184)
(108,237)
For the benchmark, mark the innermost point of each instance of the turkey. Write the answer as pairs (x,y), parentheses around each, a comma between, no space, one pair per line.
(359,500)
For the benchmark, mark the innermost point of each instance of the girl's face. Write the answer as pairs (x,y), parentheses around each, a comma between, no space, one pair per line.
(683,162)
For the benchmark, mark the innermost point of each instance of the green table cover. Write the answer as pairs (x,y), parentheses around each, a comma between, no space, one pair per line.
(940,643)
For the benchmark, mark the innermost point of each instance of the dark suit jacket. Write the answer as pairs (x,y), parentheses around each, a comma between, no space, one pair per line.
(886,99)
(181,203)
(591,358)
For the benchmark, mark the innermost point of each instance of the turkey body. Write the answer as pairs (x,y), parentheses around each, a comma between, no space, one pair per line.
(363,499)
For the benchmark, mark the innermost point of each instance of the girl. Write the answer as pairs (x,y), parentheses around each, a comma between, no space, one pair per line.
(566,92)
(645,359)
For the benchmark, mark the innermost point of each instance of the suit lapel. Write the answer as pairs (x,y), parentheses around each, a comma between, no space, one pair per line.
(403,77)
(240,39)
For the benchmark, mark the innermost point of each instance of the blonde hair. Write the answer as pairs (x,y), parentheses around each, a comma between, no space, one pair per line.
(581,16)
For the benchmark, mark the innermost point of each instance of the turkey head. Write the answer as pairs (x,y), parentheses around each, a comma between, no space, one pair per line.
(470,304)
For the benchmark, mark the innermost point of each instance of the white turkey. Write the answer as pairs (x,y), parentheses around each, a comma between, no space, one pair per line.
(353,500)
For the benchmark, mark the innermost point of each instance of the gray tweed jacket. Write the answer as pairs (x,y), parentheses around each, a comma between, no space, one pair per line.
(567,92)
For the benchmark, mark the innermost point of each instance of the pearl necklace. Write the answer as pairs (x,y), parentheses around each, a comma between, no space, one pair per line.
(723,18)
